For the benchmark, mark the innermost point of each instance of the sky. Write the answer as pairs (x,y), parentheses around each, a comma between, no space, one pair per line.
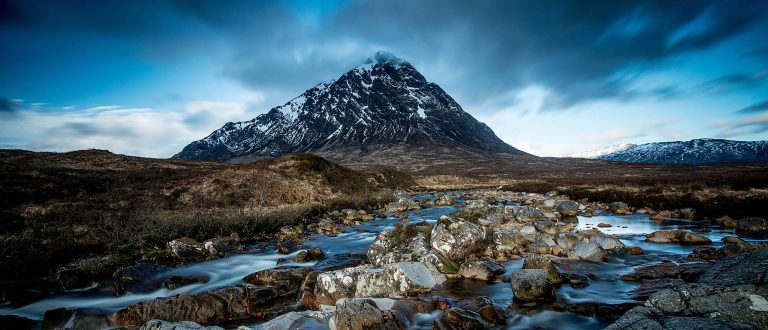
(549,77)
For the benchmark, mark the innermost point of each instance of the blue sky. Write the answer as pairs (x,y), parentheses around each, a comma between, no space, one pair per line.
(549,77)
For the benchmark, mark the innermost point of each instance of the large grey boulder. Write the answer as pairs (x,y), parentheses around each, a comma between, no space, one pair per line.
(589,251)
(359,314)
(568,209)
(534,261)
(398,280)
(485,270)
(748,270)
(611,244)
(295,320)
(409,243)
(457,239)
(526,214)
(532,285)
(334,285)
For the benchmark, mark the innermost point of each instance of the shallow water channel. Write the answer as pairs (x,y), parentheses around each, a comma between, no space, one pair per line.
(606,288)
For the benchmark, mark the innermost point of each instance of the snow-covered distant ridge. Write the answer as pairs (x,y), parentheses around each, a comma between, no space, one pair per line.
(697,151)
(597,153)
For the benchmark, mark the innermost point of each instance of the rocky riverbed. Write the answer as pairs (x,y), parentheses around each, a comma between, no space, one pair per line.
(450,260)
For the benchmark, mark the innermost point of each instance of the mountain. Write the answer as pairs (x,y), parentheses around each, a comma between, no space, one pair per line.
(698,151)
(595,154)
(383,104)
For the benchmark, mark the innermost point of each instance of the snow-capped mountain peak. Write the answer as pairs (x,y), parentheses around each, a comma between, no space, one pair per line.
(697,151)
(383,102)
(597,153)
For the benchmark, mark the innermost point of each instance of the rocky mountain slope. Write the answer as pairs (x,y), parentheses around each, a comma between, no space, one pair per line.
(698,151)
(381,104)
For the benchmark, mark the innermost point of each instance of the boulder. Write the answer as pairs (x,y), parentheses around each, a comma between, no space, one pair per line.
(691,238)
(619,208)
(339,261)
(719,303)
(649,287)
(589,251)
(220,245)
(334,285)
(567,240)
(402,202)
(309,255)
(746,270)
(753,227)
(568,209)
(526,214)
(398,280)
(186,249)
(296,320)
(485,270)
(486,308)
(407,243)
(290,233)
(609,243)
(726,222)
(82,272)
(457,239)
(545,226)
(182,325)
(359,314)
(532,285)
(285,278)
(676,236)
(460,319)
(549,202)
(326,226)
(534,261)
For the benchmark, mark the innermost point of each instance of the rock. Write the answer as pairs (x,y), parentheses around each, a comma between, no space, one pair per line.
(551,193)
(408,243)
(753,227)
(568,209)
(539,247)
(662,215)
(139,278)
(186,249)
(56,318)
(656,271)
(310,255)
(485,270)
(359,314)
(183,325)
(528,230)
(220,245)
(687,213)
(635,250)
(290,233)
(589,251)
(285,278)
(216,306)
(649,318)
(649,287)
(486,308)
(576,280)
(619,208)
(747,271)
(398,280)
(691,238)
(339,261)
(296,320)
(532,285)
(604,225)
(402,202)
(91,318)
(676,236)
(176,281)
(334,285)
(609,243)
(548,203)
(326,226)
(457,239)
(526,214)
(545,226)
(460,319)
(534,261)
(724,304)
(726,222)
(82,272)
(567,240)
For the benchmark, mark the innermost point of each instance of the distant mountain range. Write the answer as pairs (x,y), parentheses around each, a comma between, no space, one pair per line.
(385,105)
(698,151)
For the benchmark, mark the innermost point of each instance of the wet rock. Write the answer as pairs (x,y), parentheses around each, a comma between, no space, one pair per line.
(186,249)
(460,319)
(176,281)
(290,233)
(220,245)
(676,236)
(747,271)
(610,244)
(539,247)
(334,285)
(656,271)
(753,227)
(457,239)
(526,214)
(576,280)
(285,278)
(326,226)
(726,222)
(139,278)
(296,320)
(568,209)
(589,251)
(532,285)
(485,270)
(310,255)
(545,226)
(649,287)
(91,318)
(567,240)
(604,225)
(398,280)
(662,215)
(720,303)
(182,325)
(635,250)
(534,261)
(211,307)
(358,314)
(548,203)
(619,208)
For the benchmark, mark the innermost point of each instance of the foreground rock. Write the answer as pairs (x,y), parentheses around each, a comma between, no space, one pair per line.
(532,285)
(334,285)
(539,262)
(746,271)
(183,325)
(753,227)
(363,314)
(407,243)
(698,306)
(457,239)
(398,280)
(589,251)
(296,320)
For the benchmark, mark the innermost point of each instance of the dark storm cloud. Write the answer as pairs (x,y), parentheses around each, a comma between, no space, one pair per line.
(579,50)
(757,107)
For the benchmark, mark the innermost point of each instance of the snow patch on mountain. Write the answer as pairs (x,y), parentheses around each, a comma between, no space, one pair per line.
(697,151)
(597,153)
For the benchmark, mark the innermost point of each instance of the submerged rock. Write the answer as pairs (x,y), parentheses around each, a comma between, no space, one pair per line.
(486,308)
(287,278)
(460,319)
(295,320)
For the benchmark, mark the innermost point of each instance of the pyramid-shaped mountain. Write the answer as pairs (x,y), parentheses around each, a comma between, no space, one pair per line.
(380,105)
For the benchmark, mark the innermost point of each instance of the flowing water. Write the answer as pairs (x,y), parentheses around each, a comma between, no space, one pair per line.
(607,288)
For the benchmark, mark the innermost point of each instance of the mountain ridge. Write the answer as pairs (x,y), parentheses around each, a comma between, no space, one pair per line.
(382,102)
(696,151)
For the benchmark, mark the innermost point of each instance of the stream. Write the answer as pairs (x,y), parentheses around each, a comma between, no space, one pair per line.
(606,288)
